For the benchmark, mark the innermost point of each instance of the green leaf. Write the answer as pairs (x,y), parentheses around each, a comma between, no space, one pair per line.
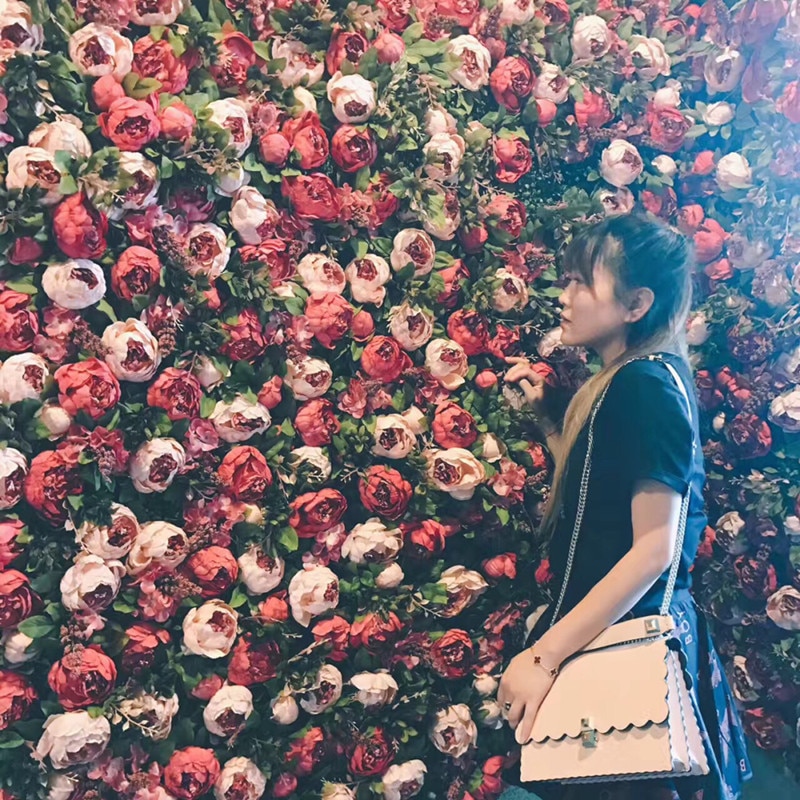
(10,739)
(362,179)
(263,50)
(68,185)
(22,286)
(104,307)
(238,598)
(288,539)
(37,627)
(207,406)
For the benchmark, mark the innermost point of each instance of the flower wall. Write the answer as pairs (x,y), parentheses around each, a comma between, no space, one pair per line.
(268,514)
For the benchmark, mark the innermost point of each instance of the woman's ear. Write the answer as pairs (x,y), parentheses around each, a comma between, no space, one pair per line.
(641,301)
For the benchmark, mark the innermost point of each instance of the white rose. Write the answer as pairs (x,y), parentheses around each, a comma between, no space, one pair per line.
(788,365)
(783,608)
(259,572)
(390,577)
(110,541)
(475,62)
(240,778)
(231,114)
(337,791)
(485,685)
(697,331)
(75,284)
(591,37)
(308,378)
(249,211)
(413,246)
(731,536)
(303,101)
(326,691)
(17,23)
(13,469)
(551,84)
(665,165)
(98,50)
(718,113)
(320,274)
(33,166)
(791,527)
(374,689)
(228,711)
(146,183)
(511,293)
(455,471)
(724,70)
(439,120)
(62,134)
(416,420)
(62,786)
(410,325)
(394,436)
(313,591)
(447,362)
(155,465)
(285,710)
(23,377)
(516,12)
(490,715)
(54,418)
(210,629)
(493,448)
(616,201)
(208,373)
(791,27)
(372,542)
(73,738)
(150,714)
(402,781)
(621,163)
(719,422)
(230,180)
(209,252)
(159,544)
(352,98)
(301,67)
(440,214)
(443,153)
(91,583)
(132,351)
(464,584)
(312,462)
(745,687)
(745,253)
(240,419)
(367,277)
(453,731)
(18,648)
(163,12)
(784,410)
(650,57)
(668,96)
(733,172)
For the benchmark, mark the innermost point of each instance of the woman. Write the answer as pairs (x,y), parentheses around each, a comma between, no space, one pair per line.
(628,297)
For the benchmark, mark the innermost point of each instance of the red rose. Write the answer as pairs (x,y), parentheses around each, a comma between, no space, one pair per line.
(105,91)
(246,341)
(308,139)
(424,539)
(375,632)
(511,82)
(384,491)
(207,687)
(719,270)
(546,111)
(88,386)
(707,393)
(491,785)
(462,12)
(314,512)
(767,729)
(25,250)
(453,426)
(395,14)
(703,163)
(345,46)
(191,772)
(19,324)
(336,632)
(512,158)
(178,392)
(505,342)
(305,754)
(17,697)
(384,359)
(789,102)
(668,127)
(473,239)
(53,475)
(253,661)
(373,754)
(176,121)
(757,21)
(312,196)
(470,329)
(329,317)
(137,271)
(274,148)
(663,203)
(451,656)
(507,216)
(453,275)
(750,435)
(83,677)
(690,218)
(709,240)
(17,600)
(157,60)
(234,57)
(316,422)
(130,124)
(554,12)
(284,786)
(592,111)
(543,574)
(10,549)
(363,326)
(214,569)
(245,473)
(390,47)
(384,202)
(501,566)
(486,379)
(144,639)
(270,394)
(353,149)
(80,229)
(275,609)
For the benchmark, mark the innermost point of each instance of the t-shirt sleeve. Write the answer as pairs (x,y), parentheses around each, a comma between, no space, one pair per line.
(649,419)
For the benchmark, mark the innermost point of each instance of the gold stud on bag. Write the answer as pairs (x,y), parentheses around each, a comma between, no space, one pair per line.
(620,708)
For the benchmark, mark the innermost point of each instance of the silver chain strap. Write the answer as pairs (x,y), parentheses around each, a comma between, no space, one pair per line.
(584,491)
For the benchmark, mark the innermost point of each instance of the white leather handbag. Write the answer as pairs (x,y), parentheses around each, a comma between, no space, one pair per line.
(619,709)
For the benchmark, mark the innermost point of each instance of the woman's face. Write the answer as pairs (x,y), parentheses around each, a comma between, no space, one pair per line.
(593,316)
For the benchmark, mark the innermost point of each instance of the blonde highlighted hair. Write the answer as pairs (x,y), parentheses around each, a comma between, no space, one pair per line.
(639,252)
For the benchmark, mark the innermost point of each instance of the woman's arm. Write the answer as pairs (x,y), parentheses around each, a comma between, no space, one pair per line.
(655,512)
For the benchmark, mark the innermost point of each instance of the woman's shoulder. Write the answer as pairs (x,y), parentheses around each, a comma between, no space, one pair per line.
(647,384)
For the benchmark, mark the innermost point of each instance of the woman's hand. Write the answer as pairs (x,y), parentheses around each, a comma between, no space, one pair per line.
(524,685)
(530,381)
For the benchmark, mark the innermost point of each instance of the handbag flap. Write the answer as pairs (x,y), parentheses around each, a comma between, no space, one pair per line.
(613,687)
(632,630)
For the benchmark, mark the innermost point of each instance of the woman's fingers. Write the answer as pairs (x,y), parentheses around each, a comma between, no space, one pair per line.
(515,713)
(523,731)
(516,359)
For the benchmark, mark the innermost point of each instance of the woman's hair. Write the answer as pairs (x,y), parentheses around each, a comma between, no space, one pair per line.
(639,252)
